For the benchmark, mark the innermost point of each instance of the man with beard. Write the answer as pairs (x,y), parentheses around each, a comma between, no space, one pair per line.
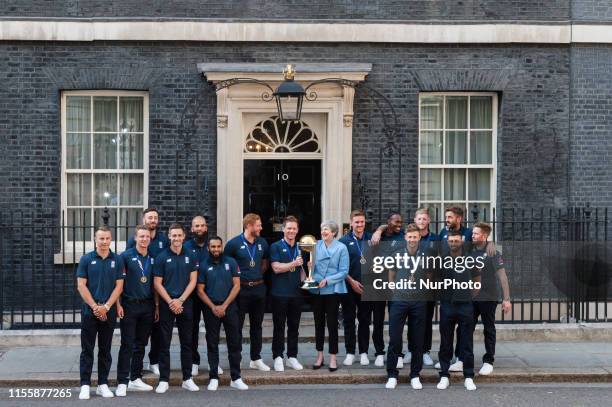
(218,287)
(137,312)
(159,242)
(429,241)
(356,241)
(457,309)
(251,253)
(100,276)
(198,245)
(393,234)
(485,302)
(287,301)
(176,274)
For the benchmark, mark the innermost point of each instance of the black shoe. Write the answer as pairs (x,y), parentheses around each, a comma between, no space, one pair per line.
(317,367)
(333,369)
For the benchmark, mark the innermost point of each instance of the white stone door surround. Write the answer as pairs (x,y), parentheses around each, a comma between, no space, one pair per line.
(237,102)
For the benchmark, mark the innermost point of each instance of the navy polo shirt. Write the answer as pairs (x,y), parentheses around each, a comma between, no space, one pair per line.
(489,290)
(429,241)
(157,245)
(239,251)
(217,277)
(418,293)
(466,237)
(101,274)
(175,269)
(458,274)
(136,267)
(353,246)
(200,251)
(285,284)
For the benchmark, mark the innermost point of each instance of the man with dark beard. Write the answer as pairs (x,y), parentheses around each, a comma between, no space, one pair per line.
(159,243)
(198,245)
(218,287)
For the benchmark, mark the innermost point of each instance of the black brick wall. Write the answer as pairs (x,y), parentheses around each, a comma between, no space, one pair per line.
(592,10)
(533,83)
(297,9)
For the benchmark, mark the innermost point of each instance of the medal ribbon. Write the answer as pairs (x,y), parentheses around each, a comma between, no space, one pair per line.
(143,269)
(358,245)
(251,255)
(292,253)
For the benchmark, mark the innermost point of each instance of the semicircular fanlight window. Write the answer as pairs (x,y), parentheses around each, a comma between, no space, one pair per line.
(274,136)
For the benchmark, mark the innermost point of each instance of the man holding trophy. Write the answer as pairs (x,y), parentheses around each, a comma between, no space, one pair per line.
(287,300)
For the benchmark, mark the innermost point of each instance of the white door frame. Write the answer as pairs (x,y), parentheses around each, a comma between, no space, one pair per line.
(336,149)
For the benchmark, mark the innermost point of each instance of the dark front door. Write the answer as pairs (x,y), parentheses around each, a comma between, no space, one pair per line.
(274,189)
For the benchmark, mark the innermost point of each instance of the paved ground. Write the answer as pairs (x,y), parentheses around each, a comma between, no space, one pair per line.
(487,395)
(518,361)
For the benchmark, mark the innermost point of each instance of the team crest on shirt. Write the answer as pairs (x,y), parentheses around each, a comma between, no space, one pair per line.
(227,267)
(259,246)
(112,264)
(161,245)
(186,260)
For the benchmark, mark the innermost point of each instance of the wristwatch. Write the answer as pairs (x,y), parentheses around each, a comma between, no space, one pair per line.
(107,306)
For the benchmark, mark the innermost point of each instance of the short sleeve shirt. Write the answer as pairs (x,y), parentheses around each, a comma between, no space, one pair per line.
(101,274)
(175,269)
(217,277)
(285,284)
(139,275)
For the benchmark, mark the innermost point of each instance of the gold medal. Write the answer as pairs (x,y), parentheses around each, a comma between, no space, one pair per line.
(292,269)
(143,279)
(252,263)
(362,260)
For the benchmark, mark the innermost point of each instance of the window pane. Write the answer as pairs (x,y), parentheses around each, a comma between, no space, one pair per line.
(131,151)
(456,147)
(105,113)
(454,184)
(484,212)
(481,150)
(431,147)
(456,112)
(78,225)
(131,189)
(105,151)
(480,184)
(78,189)
(128,219)
(130,109)
(481,111)
(78,151)
(430,185)
(78,113)
(431,112)
(112,220)
(105,189)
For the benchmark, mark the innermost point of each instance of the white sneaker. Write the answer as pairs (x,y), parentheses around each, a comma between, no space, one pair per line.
(349,359)
(469,384)
(139,385)
(437,366)
(239,384)
(155,369)
(427,360)
(363,360)
(407,357)
(456,367)
(84,394)
(400,363)
(219,370)
(195,369)
(162,387)
(379,361)
(278,364)
(443,383)
(104,391)
(121,390)
(486,369)
(190,385)
(391,383)
(213,385)
(259,365)
(294,364)
(416,383)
